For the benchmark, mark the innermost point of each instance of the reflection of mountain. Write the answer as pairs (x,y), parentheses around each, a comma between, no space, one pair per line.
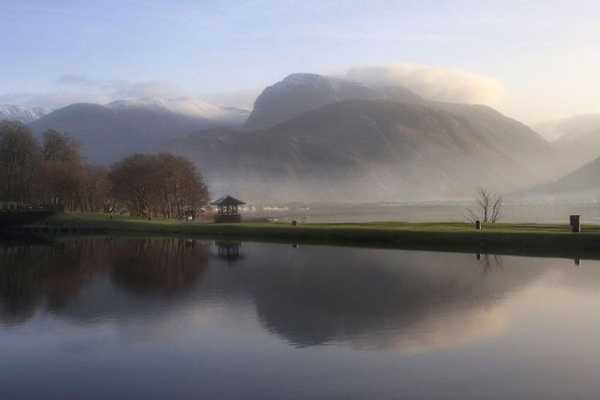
(380,298)
(368,298)
(68,277)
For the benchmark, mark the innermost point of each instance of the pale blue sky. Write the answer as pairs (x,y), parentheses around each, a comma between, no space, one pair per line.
(546,54)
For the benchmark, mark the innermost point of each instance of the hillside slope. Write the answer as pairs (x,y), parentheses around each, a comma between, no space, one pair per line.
(108,133)
(298,93)
(21,113)
(373,150)
(583,184)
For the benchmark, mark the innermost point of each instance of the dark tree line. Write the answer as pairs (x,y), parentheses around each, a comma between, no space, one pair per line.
(19,162)
(51,171)
(157,184)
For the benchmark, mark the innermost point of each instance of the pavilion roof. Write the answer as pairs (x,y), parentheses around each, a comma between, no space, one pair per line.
(227,201)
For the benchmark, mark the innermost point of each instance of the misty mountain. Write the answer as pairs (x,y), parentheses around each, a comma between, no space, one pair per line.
(298,93)
(21,113)
(579,141)
(108,133)
(372,150)
(579,184)
(186,106)
(573,126)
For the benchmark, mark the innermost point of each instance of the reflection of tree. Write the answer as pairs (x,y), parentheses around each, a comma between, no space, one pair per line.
(158,266)
(20,276)
(68,266)
(34,275)
(489,263)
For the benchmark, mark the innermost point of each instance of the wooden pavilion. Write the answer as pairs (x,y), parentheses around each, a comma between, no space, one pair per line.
(228,209)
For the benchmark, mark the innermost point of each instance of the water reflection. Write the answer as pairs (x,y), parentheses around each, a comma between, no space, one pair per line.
(489,262)
(311,296)
(356,323)
(374,298)
(229,250)
(158,267)
(33,276)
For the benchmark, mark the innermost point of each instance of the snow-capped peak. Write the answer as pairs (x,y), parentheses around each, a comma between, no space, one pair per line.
(182,105)
(23,114)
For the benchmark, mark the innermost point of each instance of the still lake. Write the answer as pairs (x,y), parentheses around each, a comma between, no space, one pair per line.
(149,318)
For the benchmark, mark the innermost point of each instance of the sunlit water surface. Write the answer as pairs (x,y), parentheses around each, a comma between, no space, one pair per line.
(171,318)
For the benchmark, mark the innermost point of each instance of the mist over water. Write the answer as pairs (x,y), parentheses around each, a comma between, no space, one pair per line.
(172,317)
(512,212)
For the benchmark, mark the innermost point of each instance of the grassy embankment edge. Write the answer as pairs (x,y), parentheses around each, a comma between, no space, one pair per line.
(519,239)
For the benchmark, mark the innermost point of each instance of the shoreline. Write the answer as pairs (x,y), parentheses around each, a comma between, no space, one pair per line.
(544,240)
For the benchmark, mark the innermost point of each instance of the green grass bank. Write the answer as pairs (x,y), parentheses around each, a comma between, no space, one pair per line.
(519,239)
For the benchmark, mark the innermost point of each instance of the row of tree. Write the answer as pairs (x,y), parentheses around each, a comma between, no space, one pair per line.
(157,184)
(51,171)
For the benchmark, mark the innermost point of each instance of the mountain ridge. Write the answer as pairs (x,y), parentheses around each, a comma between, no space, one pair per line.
(22,114)
(371,150)
(301,92)
(583,183)
(110,132)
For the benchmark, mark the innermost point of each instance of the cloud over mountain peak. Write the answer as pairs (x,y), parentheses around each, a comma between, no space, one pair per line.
(434,83)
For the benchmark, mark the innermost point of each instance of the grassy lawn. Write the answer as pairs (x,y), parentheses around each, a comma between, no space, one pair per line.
(168,225)
(533,239)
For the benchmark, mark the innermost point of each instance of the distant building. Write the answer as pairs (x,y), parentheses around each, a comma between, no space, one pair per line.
(228,209)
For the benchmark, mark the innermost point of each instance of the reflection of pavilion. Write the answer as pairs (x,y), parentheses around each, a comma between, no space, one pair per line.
(228,250)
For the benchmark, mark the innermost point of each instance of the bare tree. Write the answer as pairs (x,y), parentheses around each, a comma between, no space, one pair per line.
(62,175)
(54,173)
(19,162)
(58,146)
(497,205)
(132,181)
(50,173)
(157,184)
(94,189)
(488,207)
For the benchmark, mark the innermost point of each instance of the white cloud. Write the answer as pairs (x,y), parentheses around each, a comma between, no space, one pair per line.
(75,88)
(126,89)
(243,99)
(434,83)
